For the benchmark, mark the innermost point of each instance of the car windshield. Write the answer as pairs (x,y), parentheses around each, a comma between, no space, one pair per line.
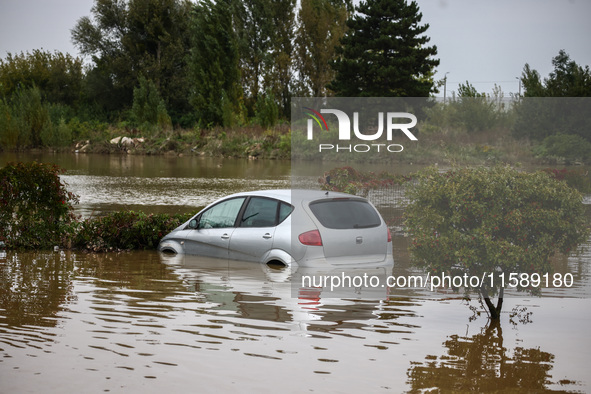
(345,214)
(221,215)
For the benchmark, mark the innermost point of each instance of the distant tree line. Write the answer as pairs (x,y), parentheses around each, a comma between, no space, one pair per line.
(562,127)
(167,64)
(222,63)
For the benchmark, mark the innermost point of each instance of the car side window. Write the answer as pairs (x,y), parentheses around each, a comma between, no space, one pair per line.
(222,215)
(284,211)
(260,212)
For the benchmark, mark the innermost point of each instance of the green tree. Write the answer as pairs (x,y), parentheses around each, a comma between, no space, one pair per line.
(474,111)
(266,110)
(568,79)
(127,39)
(253,25)
(148,108)
(215,73)
(558,104)
(321,24)
(492,221)
(27,116)
(384,53)
(58,76)
(282,67)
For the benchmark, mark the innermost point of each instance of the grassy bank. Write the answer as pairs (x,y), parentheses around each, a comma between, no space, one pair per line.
(441,145)
(244,142)
(241,142)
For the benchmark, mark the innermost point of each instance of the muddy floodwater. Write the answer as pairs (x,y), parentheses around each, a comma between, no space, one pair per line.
(146,322)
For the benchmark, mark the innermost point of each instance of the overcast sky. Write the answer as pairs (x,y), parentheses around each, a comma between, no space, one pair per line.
(480,41)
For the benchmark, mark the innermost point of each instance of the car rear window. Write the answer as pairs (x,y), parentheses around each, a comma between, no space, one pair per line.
(345,214)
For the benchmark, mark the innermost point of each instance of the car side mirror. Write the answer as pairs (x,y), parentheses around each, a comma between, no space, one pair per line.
(193,224)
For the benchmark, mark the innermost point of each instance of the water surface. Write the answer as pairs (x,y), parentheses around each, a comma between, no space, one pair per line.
(131,321)
(77,322)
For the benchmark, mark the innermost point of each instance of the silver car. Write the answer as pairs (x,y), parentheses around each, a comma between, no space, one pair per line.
(308,228)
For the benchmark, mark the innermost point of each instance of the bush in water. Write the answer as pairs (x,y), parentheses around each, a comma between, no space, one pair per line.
(126,230)
(492,221)
(36,212)
(35,207)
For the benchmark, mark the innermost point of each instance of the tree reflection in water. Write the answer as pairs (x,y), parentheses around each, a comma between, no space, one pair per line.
(481,363)
(34,286)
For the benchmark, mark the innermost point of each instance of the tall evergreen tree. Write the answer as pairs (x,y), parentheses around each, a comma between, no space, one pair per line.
(384,53)
(253,24)
(281,76)
(214,68)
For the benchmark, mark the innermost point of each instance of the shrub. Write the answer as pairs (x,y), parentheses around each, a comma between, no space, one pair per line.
(266,110)
(36,212)
(127,230)
(57,136)
(149,109)
(35,207)
(578,179)
(352,181)
(482,221)
(566,146)
(31,116)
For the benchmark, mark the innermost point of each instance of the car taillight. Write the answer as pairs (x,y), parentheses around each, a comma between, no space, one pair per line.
(311,238)
(389,235)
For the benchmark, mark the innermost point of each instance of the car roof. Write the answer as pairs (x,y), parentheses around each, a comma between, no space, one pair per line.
(290,195)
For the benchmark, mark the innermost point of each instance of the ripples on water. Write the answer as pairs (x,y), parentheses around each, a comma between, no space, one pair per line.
(135,322)
(142,321)
(100,194)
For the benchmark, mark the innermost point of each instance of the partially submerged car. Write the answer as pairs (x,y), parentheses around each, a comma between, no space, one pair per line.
(310,228)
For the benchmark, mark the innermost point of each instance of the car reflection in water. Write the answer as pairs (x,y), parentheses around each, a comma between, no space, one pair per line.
(275,293)
(307,228)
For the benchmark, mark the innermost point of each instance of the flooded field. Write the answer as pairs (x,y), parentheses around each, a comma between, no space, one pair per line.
(158,184)
(125,322)
(130,321)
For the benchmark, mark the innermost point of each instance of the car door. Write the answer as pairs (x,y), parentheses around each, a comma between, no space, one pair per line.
(214,229)
(255,230)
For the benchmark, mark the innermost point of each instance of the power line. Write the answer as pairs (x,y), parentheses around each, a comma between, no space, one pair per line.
(482,81)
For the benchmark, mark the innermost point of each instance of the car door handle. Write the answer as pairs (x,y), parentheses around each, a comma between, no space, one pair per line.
(225,236)
(267,236)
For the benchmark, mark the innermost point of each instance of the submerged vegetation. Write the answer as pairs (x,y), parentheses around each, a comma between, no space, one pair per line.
(493,222)
(36,212)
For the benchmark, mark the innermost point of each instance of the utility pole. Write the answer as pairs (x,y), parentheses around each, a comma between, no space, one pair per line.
(444,86)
